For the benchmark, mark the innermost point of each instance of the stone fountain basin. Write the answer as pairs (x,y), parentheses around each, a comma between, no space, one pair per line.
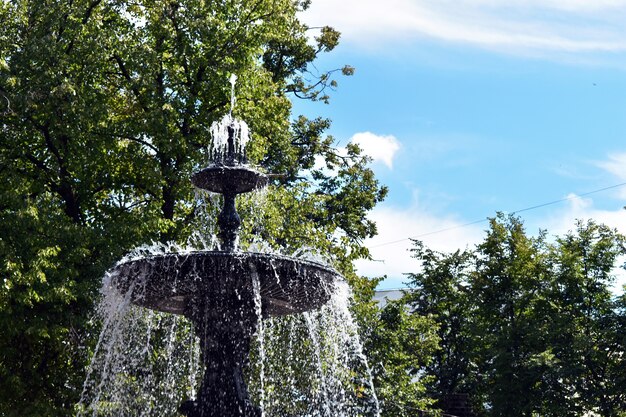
(170,282)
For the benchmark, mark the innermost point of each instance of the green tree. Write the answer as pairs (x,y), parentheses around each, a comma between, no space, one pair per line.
(400,346)
(528,327)
(510,275)
(587,336)
(441,291)
(105,108)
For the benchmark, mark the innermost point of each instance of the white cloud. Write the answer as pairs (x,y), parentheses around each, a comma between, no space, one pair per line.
(380,148)
(579,208)
(616,165)
(527,26)
(565,5)
(391,250)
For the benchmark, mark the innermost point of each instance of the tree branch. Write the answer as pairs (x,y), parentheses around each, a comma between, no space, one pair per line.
(133,86)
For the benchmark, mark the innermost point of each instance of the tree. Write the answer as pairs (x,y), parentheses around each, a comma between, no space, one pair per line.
(105,111)
(400,346)
(510,273)
(440,291)
(528,327)
(587,322)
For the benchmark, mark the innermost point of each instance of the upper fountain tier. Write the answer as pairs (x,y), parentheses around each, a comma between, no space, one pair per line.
(229,172)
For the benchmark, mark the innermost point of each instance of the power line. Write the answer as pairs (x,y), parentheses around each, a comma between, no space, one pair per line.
(561,200)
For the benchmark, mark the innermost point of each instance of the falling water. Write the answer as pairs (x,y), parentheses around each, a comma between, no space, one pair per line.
(232,80)
(256,285)
(219,132)
(313,364)
(145,362)
(222,129)
(307,365)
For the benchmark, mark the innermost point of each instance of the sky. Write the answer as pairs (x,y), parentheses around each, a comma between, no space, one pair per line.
(473,107)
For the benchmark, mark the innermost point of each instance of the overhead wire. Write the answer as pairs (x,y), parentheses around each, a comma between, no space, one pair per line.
(549,203)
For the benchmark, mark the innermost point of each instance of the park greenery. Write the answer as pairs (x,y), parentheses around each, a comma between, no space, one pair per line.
(528,326)
(105,109)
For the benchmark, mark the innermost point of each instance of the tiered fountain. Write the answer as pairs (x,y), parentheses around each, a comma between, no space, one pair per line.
(219,291)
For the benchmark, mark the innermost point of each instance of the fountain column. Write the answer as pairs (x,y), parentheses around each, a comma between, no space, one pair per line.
(225,320)
(229,222)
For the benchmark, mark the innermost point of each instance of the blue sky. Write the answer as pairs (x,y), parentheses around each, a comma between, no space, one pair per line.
(470,107)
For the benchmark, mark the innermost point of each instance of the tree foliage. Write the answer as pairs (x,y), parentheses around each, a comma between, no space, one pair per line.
(105,108)
(400,346)
(440,291)
(528,326)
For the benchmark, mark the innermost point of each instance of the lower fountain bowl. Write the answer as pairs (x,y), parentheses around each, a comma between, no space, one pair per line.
(169,282)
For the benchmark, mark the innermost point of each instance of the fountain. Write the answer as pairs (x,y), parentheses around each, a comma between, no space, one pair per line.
(226,292)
